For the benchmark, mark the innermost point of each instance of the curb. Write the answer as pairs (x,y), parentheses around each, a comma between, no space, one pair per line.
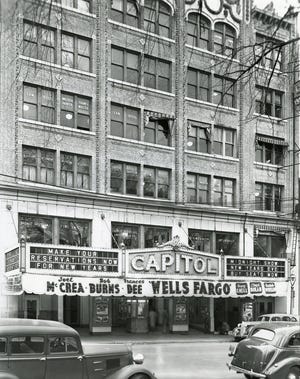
(152,342)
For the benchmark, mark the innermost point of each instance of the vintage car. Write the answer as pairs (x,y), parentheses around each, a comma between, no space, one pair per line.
(42,349)
(271,351)
(242,329)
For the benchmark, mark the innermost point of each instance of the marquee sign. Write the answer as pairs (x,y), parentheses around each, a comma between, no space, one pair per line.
(264,268)
(172,263)
(82,286)
(12,260)
(85,261)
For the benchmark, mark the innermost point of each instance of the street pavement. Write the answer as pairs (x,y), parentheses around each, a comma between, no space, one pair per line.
(176,356)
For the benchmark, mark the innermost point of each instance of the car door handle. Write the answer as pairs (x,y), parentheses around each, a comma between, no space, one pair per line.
(80,358)
(42,359)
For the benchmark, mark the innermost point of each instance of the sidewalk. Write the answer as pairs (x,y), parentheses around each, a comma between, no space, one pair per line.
(121,336)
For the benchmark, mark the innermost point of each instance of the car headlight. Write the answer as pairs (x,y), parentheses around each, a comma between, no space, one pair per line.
(138,358)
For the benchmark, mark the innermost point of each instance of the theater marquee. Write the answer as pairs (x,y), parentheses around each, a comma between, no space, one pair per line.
(69,285)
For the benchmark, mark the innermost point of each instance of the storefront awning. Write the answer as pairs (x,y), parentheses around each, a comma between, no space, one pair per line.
(271,140)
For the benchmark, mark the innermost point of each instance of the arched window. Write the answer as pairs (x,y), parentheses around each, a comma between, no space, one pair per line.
(125,11)
(198,31)
(224,39)
(157,18)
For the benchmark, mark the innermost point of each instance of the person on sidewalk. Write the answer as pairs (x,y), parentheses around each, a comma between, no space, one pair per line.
(165,321)
(152,319)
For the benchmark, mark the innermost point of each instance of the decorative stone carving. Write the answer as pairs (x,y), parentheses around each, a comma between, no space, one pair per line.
(175,244)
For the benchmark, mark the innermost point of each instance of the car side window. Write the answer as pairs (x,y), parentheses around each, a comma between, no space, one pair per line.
(294,340)
(286,318)
(3,345)
(63,345)
(293,319)
(27,345)
(275,318)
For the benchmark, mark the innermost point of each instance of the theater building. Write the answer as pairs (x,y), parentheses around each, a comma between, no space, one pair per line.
(138,171)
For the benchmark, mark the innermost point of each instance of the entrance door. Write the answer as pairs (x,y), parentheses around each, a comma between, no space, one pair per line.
(31,306)
(72,310)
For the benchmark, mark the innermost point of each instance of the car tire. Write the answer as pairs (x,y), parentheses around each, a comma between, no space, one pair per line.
(139,376)
(294,373)
(248,376)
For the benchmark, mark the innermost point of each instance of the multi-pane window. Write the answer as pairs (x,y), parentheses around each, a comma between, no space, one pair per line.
(40,229)
(202,240)
(199,137)
(38,103)
(224,91)
(224,141)
(75,171)
(269,150)
(198,188)
(125,11)
(157,74)
(75,111)
(157,130)
(39,42)
(268,197)
(157,17)
(153,16)
(223,192)
(268,52)
(198,86)
(74,232)
(125,121)
(224,39)
(124,178)
(156,182)
(125,234)
(198,31)
(138,236)
(227,243)
(35,228)
(75,52)
(269,102)
(125,66)
(38,165)
(270,244)
(81,5)
(215,242)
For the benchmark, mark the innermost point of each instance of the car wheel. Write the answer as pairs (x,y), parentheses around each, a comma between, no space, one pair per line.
(248,376)
(139,376)
(294,373)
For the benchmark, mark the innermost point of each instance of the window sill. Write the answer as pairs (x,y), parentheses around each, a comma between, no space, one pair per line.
(129,27)
(263,165)
(269,213)
(71,9)
(212,105)
(270,70)
(55,126)
(53,186)
(45,63)
(270,118)
(138,197)
(137,86)
(212,54)
(215,156)
(212,206)
(137,142)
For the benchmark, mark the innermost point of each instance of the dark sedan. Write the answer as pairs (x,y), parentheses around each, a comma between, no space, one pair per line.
(272,351)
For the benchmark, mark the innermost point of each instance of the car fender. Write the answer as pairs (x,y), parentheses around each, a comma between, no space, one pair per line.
(127,371)
(280,369)
(7,375)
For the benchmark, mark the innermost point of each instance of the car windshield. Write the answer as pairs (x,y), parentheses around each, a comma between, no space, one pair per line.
(263,318)
(264,334)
